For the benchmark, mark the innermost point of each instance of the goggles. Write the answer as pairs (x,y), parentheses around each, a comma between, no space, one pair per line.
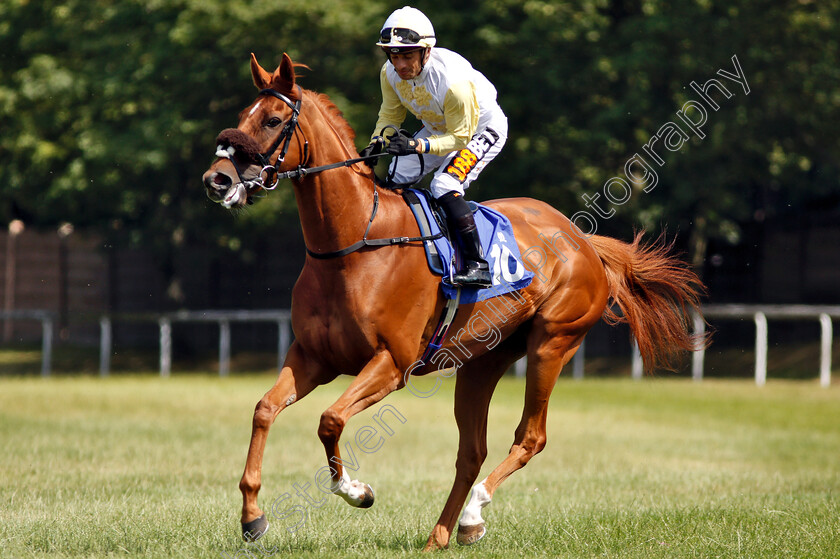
(401,35)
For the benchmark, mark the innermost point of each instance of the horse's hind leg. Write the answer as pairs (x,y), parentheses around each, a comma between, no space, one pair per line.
(546,357)
(474,388)
(297,378)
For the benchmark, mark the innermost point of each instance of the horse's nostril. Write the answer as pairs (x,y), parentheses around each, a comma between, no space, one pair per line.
(219,180)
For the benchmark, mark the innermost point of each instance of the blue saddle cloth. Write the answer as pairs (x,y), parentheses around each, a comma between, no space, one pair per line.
(497,239)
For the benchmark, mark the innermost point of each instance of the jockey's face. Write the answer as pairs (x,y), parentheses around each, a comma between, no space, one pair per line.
(408,64)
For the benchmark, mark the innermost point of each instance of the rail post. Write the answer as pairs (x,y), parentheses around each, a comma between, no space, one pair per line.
(638,364)
(826,336)
(165,346)
(105,342)
(760,348)
(224,348)
(46,345)
(577,362)
(520,367)
(699,355)
(283,341)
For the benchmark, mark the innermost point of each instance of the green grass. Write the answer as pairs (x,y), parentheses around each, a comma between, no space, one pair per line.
(137,466)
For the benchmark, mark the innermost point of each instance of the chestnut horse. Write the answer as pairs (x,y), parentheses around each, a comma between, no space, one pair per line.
(370,312)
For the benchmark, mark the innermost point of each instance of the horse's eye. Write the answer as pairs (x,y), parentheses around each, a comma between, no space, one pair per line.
(273,122)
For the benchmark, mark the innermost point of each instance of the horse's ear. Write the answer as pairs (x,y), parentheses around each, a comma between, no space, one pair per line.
(284,75)
(262,79)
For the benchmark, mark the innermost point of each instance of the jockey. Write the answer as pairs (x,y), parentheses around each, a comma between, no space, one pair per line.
(463,126)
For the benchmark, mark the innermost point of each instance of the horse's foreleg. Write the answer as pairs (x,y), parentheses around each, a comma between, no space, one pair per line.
(376,380)
(545,361)
(474,388)
(297,378)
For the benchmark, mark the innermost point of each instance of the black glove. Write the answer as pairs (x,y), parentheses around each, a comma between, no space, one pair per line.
(374,148)
(401,144)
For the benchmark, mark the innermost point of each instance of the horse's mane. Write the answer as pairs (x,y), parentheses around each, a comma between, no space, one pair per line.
(335,116)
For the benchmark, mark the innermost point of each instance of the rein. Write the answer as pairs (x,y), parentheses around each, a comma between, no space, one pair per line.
(286,135)
(285,138)
(365,242)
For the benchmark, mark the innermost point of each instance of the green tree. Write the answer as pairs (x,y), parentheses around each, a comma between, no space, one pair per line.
(586,84)
(109,108)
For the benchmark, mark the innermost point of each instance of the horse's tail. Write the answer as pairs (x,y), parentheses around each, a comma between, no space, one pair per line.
(656,293)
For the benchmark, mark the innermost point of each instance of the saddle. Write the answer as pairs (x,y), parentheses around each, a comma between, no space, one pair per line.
(500,250)
(497,240)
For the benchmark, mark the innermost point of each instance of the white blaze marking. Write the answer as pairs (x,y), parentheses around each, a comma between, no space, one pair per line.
(254,108)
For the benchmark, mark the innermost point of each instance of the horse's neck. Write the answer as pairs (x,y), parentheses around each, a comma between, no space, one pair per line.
(335,205)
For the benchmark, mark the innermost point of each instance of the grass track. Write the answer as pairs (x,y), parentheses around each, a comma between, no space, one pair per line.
(136,466)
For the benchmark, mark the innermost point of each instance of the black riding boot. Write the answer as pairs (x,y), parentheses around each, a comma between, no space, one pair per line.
(474,270)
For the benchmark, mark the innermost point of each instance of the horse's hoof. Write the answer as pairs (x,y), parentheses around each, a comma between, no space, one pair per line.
(367,498)
(468,535)
(355,493)
(254,530)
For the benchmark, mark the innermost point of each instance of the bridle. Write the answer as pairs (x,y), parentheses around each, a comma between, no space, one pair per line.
(283,141)
(285,138)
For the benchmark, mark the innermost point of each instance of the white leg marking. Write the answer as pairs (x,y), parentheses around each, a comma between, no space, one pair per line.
(352,491)
(479,498)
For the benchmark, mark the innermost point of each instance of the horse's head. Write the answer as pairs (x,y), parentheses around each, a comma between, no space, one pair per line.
(250,156)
